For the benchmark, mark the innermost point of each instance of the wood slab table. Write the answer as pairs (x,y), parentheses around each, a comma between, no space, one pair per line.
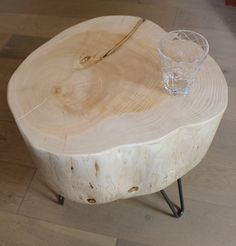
(92,110)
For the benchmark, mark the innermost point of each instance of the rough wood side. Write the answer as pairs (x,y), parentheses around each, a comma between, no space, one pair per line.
(127,171)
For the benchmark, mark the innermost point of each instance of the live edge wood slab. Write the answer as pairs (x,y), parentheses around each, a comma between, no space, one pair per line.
(92,110)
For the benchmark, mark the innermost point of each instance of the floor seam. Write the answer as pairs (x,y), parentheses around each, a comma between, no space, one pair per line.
(10,163)
(26,191)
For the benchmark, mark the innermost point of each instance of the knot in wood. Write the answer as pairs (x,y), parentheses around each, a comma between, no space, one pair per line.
(85,59)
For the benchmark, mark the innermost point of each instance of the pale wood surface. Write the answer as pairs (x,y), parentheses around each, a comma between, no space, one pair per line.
(98,86)
(215,218)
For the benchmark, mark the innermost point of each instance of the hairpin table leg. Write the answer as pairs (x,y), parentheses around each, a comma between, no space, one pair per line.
(177,212)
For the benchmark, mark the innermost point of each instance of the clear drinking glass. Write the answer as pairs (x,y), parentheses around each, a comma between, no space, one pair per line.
(181,54)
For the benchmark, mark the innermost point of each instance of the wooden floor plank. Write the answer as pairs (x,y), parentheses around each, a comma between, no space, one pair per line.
(121,242)
(19,46)
(35,25)
(193,18)
(7,67)
(141,220)
(12,147)
(21,231)
(90,9)
(212,6)
(212,181)
(4,37)
(14,181)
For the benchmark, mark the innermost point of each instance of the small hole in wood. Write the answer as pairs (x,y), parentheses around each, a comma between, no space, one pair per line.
(91,200)
(90,185)
(96,168)
(85,59)
(132,189)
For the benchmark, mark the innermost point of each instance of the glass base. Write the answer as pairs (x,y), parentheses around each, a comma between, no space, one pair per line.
(176,86)
(177,91)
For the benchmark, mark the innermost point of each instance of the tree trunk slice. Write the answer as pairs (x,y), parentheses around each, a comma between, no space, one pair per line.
(92,109)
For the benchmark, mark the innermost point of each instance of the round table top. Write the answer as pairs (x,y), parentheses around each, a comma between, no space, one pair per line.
(97,85)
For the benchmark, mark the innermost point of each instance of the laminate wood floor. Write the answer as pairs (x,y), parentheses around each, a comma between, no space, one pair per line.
(29,214)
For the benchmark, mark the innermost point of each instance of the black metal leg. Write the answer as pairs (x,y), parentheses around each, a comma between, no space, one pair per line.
(177,212)
(61,199)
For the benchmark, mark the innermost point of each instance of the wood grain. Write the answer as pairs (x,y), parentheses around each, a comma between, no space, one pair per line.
(74,109)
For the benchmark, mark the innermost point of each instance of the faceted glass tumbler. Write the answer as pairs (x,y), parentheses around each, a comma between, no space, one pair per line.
(181,53)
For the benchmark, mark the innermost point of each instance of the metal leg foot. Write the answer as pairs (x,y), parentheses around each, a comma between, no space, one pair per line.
(61,199)
(177,212)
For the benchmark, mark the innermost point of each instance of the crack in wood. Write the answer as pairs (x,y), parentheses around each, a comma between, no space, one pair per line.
(85,60)
(123,40)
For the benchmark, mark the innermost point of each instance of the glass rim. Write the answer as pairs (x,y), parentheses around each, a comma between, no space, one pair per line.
(200,59)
